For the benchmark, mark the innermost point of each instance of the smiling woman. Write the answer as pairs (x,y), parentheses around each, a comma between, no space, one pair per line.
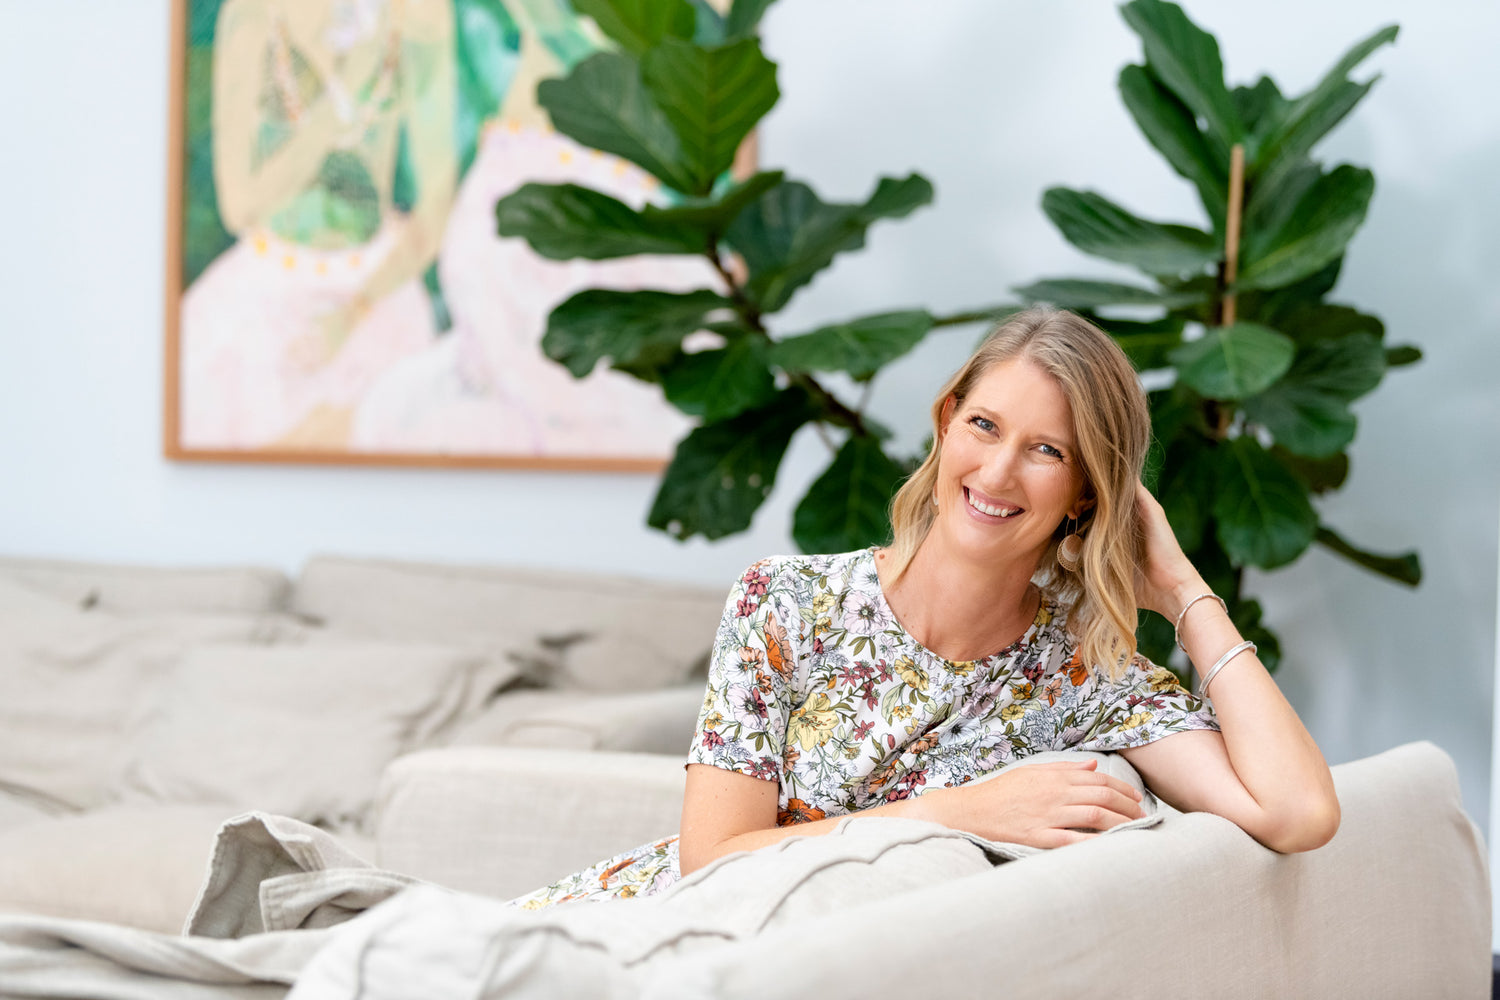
(885,681)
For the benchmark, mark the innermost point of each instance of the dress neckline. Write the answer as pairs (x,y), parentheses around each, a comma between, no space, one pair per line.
(1046,612)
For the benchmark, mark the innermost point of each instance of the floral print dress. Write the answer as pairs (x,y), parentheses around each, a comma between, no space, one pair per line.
(814,684)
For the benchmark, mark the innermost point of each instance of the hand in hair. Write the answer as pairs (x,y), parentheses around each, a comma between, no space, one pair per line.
(1043,805)
(1165,579)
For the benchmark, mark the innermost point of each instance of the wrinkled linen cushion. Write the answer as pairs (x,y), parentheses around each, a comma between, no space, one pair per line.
(594,632)
(75,686)
(660,721)
(302,730)
(223,590)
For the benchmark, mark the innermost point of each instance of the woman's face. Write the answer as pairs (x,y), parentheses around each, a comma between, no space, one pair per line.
(1008,472)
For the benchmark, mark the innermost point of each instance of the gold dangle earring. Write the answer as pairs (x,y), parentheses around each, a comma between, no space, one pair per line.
(1070,549)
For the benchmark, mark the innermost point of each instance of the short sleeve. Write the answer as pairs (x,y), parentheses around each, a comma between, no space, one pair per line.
(742,725)
(1144,705)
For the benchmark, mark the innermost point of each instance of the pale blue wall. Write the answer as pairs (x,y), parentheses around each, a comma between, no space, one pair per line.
(992,99)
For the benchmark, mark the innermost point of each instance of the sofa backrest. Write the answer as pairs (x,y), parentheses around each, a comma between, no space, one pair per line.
(152,589)
(597,632)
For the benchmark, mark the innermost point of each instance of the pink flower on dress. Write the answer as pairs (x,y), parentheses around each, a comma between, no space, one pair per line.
(745,607)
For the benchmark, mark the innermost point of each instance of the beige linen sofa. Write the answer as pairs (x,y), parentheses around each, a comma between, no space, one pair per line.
(140,707)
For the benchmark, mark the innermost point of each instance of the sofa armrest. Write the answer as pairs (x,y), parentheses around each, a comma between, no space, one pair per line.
(502,821)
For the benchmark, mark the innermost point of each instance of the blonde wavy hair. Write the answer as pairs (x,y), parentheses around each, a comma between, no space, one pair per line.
(1112,429)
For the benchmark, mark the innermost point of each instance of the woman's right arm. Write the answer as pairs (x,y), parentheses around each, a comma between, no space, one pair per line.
(1044,805)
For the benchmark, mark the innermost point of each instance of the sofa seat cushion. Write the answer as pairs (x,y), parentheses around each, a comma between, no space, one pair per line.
(18,808)
(133,865)
(151,589)
(588,631)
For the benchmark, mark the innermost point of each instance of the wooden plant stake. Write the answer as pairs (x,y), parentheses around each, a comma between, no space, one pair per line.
(1232,230)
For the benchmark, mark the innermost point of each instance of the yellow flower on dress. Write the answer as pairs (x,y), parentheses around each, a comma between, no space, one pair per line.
(812,724)
(901,712)
(914,676)
(822,625)
(1011,712)
(1137,720)
(822,604)
(534,904)
(713,721)
(962,668)
(1044,615)
(1162,679)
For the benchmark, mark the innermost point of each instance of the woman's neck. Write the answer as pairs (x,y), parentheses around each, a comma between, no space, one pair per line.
(959,609)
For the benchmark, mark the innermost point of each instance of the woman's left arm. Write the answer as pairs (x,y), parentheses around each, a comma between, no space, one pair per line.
(1262,771)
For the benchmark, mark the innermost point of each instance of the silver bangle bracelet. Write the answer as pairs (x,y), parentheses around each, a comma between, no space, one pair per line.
(1177,628)
(1234,651)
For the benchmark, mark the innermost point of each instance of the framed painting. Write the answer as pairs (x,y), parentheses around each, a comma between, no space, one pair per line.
(336,292)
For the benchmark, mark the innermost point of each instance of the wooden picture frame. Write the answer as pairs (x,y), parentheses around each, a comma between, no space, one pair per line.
(335,292)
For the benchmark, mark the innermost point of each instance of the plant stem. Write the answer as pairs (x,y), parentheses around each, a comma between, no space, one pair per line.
(1231,269)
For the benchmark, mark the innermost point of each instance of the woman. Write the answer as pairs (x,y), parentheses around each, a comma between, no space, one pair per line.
(870,681)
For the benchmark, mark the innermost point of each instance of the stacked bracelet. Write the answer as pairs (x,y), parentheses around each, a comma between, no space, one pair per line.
(1234,651)
(1177,628)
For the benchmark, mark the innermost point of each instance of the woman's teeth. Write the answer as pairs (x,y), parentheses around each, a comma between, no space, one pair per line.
(985,508)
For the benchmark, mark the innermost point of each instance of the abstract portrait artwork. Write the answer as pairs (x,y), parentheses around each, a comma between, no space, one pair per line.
(336,288)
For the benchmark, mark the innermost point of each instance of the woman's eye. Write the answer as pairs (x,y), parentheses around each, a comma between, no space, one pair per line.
(1050,451)
(982,423)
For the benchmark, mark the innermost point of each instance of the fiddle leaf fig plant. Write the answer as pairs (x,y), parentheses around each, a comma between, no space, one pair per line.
(1258,368)
(677,96)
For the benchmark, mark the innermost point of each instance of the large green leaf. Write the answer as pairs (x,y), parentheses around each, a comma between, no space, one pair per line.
(712,96)
(848,506)
(603,323)
(1188,489)
(713,215)
(1311,322)
(1186,58)
(1170,126)
(1314,233)
(720,383)
(604,105)
(1405,568)
(1401,355)
(1258,106)
(1305,120)
(1307,411)
(1320,475)
(1078,293)
(1096,225)
(640,24)
(787,235)
(1248,617)
(744,17)
(1233,362)
(1261,512)
(564,221)
(724,470)
(860,347)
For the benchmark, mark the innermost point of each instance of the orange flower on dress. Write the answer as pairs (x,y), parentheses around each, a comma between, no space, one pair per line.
(1077,672)
(797,811)
(778,649)
(612,871)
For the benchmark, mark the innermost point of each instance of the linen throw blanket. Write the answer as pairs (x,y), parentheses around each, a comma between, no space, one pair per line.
(287,912)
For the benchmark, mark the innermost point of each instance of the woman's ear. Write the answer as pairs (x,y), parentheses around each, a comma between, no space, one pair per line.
(1085,503)
(949,405)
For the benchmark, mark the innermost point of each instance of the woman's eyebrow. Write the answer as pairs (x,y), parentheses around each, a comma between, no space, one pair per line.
(1065,439)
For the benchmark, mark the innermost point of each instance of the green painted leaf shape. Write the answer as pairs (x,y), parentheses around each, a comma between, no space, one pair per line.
(719,383)
(1308,118)
(712,97)
(486,53)
(564,221)
(787,235)
(1096,225)
(1187,60)
(637,25)
(1307,411)
(1312,234)
(1261,511)
(860,347)
(744,17)
(848,506)
(604,105)
(1170,126)
(713,215)
(1405,568)
(601,323)
(724,470)
(1232,362)
(1079,293)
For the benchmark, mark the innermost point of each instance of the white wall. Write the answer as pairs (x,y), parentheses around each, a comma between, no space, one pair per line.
(994,100)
